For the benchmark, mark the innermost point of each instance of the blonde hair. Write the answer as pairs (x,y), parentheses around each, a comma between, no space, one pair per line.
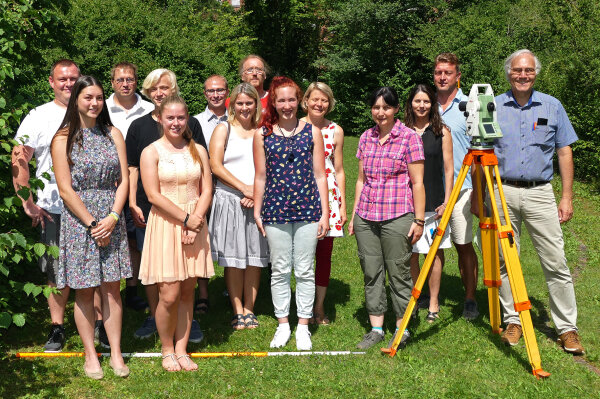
(323,88)
(187,134)
(250,91)
(154,76)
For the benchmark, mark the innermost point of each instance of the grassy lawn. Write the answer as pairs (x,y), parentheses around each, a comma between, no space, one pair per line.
(450,358)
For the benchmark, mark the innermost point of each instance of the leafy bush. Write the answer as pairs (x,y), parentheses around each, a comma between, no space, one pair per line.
(20,24)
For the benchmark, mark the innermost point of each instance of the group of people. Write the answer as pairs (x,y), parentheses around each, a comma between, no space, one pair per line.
(141,190)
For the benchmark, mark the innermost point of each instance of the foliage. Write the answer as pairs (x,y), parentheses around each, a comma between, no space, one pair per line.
(288,34)
(368,44)
(194,39)
(21,22)
(563,34)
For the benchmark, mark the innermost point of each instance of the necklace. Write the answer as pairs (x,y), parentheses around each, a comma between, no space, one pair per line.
(289,141)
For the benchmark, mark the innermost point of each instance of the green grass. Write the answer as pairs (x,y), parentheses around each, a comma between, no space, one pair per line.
(450,358)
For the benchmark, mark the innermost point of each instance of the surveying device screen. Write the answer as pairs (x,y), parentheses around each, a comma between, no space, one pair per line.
(480,111)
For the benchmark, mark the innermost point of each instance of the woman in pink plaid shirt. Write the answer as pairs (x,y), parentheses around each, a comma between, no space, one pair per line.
(389,210)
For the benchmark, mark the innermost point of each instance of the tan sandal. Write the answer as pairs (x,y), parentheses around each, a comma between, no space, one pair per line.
(187,363)
(175,367)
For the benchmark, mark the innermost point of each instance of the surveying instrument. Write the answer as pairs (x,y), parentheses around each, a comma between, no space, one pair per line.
(482,126)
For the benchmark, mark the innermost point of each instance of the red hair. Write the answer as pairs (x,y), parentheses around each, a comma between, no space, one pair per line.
(271,115)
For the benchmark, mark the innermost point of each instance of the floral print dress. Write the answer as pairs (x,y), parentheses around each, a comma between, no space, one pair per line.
(335,222)
(94,176)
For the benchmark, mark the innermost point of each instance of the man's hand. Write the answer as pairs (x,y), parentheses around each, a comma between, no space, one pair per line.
(38,215)
(137,216)
(565,210)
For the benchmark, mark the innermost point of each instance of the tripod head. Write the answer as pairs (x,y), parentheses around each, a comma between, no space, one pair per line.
(480,111)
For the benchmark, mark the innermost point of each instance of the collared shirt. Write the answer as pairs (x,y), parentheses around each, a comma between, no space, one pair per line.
(387,192)
(531,134)
(122,118)
(209,121)
(457,123)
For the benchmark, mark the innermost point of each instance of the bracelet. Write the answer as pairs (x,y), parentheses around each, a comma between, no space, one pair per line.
(187,216)
(419,222)
(115,215)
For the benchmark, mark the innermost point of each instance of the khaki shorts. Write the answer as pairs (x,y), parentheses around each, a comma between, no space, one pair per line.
(461,221)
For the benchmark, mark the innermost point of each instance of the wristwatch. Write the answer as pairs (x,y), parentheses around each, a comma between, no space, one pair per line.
(92,225)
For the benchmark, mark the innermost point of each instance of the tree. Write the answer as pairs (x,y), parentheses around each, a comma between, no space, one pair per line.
(369,44)
(563,34)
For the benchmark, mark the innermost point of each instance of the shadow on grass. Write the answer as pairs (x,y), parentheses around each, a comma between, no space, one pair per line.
(22,377)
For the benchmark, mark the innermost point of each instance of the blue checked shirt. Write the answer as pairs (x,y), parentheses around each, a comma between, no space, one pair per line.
(531,135)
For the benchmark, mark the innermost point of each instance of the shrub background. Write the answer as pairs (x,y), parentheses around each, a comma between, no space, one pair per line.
(353,46)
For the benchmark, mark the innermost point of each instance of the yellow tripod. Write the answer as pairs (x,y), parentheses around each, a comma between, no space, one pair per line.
(492,230)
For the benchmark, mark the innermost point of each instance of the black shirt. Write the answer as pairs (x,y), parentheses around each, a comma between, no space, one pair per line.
(143,132)
(433,179)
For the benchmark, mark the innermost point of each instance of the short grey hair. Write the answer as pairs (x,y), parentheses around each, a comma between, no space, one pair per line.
(510,58)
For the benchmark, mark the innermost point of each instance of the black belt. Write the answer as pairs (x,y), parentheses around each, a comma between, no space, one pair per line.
(524,184)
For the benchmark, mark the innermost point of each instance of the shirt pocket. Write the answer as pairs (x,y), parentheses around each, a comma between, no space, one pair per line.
(393,164)
(544,135)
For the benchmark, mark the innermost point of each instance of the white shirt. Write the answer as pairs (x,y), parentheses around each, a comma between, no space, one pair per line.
(122,118)
(36,131)
(209,121)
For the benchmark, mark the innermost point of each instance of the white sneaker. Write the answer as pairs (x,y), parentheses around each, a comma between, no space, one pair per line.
(281,337)
(303,342)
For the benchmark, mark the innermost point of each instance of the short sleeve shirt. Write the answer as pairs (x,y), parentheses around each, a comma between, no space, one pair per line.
(457,123)
(531,134)
(36,131)
(387,191)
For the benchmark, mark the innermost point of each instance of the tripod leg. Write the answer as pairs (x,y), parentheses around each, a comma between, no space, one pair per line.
(515,273)
(416,292)
(489,253)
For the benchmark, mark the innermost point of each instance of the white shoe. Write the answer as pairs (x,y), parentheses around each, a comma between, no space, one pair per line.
(281,337)
(303,342)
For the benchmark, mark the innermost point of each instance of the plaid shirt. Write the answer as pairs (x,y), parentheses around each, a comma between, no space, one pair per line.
(387,192)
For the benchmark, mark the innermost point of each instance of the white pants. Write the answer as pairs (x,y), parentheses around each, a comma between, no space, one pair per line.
(292,245)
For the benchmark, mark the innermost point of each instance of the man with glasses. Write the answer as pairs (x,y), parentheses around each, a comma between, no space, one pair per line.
(535,125)
(254,70)
(125,106)
(216,92)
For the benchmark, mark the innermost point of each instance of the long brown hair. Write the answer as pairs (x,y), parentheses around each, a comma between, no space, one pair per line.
(435,120)
(71,124)
(187,133)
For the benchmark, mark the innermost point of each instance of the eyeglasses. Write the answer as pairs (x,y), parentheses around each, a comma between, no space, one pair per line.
(217,91)
(258,71)
(122,80)
(518,71)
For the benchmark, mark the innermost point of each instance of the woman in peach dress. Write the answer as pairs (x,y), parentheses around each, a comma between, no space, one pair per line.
(177,180)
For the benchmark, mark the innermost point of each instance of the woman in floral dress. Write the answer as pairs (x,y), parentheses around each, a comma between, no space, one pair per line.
(90,165)
(318,101)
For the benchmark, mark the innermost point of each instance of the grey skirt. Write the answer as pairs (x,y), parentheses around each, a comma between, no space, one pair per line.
(234,238)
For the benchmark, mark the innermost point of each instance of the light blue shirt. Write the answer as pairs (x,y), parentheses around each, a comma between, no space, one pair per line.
(457,123)
(209,121)
(531,134)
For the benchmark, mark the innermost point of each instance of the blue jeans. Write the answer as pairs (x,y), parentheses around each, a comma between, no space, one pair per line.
(292,245)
